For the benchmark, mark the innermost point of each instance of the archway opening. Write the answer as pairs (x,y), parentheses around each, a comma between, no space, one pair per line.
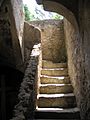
(51,47)
(69,34)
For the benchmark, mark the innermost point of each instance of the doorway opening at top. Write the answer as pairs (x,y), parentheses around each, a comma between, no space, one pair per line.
(35,12)
(52,37)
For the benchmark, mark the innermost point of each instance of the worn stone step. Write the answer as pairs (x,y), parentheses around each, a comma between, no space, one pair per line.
(57,113)
(56,100)
(55,88)
(55,72)
(50,64)
(54,80)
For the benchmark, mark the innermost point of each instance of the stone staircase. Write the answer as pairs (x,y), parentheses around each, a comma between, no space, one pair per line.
(56,99)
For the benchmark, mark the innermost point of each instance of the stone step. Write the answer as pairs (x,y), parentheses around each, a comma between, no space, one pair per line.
(56,100)
(50,64)
(55,72)
(54,80)
(55,88)
(57,113)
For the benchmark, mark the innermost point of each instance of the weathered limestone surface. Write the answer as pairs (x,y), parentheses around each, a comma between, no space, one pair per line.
(78,46)
(54,80)
(16,15)
(52,39)
(6,48)
(27,93)
(55,72)
(31,36)
(67,101)
(74,56)
(11,33)
(78,51)
(56,89)
(85,38)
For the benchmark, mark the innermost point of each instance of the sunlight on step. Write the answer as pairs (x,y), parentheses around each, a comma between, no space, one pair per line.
(59,109)
(36,50)
(54,69)
(44,85)
(48,109)
(50,95)
(61,77)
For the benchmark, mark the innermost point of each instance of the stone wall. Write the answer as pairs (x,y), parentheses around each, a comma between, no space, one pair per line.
(52,40)
(16,16)
(78,51)
(73,46)
(18,13)
(84,20)
(11,79)
(6,46)
(31,36)
(10,51)
(24,110)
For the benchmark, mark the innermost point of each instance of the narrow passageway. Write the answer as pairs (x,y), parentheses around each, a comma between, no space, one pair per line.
(55,93)
(45,59)
(55,99)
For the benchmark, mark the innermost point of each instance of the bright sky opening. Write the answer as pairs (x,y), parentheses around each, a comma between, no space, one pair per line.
(32,5)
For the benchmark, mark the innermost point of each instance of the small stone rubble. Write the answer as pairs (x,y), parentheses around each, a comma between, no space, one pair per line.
(25,107)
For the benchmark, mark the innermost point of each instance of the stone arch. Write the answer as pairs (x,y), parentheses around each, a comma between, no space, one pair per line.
(61,9)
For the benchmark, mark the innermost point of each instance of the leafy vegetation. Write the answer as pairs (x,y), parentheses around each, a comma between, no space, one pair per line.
(28,15)
(39,15)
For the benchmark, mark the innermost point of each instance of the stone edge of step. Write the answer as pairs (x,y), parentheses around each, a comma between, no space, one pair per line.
(54,85)
(53,69)
(55,77)
(44,62)
(55,95)
(62,110)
